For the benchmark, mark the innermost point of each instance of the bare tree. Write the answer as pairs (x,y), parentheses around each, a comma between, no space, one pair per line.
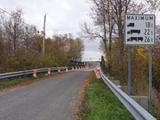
(99,17)
(153,5)
(14,30)
(120,9)
(102,16)
(30,32)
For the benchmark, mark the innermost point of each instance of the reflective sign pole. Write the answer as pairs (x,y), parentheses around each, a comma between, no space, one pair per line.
(150,77)
(129,70)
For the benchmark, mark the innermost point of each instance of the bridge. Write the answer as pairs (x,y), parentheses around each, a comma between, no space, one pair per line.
(54,96)
(71,60)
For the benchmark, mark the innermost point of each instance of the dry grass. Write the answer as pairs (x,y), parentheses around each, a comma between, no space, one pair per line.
(78,101)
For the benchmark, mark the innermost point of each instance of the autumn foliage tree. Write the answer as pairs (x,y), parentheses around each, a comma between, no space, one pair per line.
(21,45)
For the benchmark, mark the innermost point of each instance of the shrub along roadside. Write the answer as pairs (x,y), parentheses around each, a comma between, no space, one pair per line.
(100,104)
(22,81)
(13,82)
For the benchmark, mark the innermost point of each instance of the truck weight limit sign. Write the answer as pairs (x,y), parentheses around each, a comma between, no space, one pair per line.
(140,29)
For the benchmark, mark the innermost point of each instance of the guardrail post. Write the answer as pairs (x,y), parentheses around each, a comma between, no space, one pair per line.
(66,69)
(34,73)
(59,70)
(49,71)
(97,72)
(72,68)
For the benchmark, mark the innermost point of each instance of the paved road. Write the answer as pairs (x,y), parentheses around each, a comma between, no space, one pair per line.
(44,100)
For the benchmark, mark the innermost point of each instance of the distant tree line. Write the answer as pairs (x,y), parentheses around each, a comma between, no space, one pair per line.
(21,45)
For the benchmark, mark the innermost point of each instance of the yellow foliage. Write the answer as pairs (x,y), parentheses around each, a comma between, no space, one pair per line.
(141,52)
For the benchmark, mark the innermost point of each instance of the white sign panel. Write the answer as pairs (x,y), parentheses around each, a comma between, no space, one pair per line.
(140,29)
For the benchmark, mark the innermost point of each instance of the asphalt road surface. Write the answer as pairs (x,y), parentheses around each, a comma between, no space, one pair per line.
(44,100)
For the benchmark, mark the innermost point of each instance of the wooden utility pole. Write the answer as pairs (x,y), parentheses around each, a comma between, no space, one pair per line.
(44,34)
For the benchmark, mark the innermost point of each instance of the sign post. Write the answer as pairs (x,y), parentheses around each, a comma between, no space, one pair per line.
(150,77)
(129,71)
(140,30)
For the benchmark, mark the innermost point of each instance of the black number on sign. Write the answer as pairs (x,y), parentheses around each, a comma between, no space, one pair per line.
(147,39)
(148,24)
(147,31)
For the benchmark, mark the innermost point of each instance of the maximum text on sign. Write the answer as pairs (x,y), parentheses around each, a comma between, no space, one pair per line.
(140,29)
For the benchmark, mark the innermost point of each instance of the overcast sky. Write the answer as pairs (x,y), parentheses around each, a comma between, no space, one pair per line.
(63,16)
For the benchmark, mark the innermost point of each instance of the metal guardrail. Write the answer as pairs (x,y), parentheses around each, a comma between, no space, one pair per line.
(29,72)
(133,107)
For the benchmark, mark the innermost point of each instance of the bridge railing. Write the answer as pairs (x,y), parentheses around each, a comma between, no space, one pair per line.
(138,112)
(30,72)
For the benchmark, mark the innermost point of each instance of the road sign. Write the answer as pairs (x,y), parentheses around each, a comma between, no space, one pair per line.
(140,29)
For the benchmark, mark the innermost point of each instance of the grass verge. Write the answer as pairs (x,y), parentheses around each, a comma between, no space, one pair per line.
(6,83)
(22,81)
(100,104)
